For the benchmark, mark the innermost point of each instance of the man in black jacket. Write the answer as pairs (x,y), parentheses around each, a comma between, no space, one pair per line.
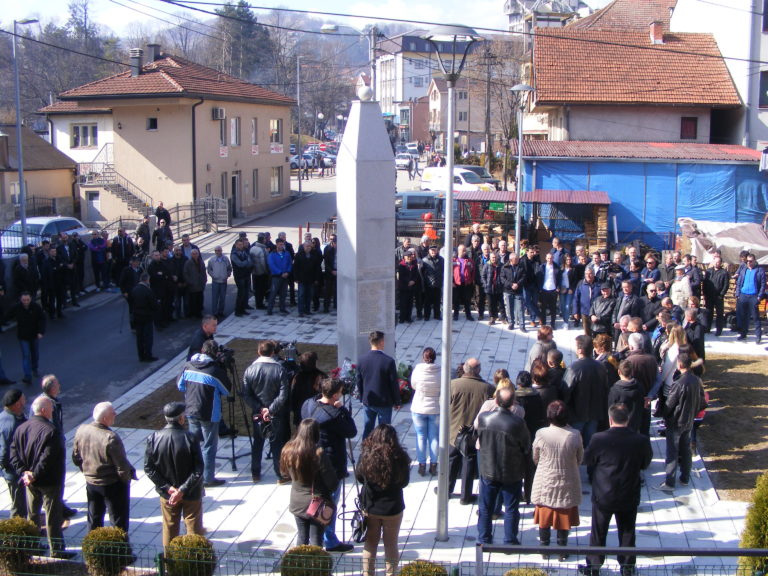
(377,384)
(627,304)
(513,282)
(586,390)
(685,400)
(616,456)
(204,381)
(265,390)
(30,328)
(716,284)
(408,286)
(329,280)
(145,307)
(11,418)
(37,456)
(506,446)
(432,273)
(336,426)
(306,271)
(173,462)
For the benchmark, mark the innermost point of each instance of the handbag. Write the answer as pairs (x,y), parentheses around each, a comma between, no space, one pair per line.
(360,519)
(320,510)
(466,441)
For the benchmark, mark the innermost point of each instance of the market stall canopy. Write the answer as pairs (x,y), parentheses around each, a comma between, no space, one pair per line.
(728,237)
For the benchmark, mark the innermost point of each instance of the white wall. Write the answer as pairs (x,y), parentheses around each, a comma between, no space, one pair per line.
(62,130)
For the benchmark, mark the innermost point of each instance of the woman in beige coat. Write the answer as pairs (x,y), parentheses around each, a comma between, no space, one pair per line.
(558,451)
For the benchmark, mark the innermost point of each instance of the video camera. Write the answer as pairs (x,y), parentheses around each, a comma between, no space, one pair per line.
(225,356)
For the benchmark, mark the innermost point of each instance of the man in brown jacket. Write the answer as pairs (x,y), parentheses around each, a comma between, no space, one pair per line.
(100,454)
(467,396)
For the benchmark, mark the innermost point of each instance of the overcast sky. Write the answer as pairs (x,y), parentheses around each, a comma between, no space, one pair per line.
(118,15)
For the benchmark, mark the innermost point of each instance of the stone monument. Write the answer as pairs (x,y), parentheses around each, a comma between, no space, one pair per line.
(365,206)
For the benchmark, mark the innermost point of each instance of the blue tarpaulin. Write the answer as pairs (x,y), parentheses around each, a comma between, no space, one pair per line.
(648,197)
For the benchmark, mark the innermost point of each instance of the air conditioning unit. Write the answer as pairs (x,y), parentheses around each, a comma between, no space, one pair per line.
(218,113)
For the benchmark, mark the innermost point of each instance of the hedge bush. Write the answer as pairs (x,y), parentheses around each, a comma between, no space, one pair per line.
(190,555)
(423,568)
(19,541)
(306,560)
(755,533)
(106,551)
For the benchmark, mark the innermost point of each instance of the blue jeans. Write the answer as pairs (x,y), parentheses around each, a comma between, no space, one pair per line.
(427,427)
(279,285)
(678,448)
(514,306)
(489,492)
(218,297)
(532,302)
(370,414)
(587,429)
(746,308)
(207,434)
(566,300)
(305,297)
(30,356)
(330,540)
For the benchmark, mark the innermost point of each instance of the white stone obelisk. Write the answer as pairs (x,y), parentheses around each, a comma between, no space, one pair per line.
(365,205)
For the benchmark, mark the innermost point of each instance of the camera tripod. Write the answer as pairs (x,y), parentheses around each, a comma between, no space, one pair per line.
(232,433)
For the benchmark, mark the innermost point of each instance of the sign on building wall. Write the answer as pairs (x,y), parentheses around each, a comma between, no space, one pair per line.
(223,151)
(255,150)
(275,148)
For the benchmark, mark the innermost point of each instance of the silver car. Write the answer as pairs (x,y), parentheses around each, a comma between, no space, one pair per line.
(41,228)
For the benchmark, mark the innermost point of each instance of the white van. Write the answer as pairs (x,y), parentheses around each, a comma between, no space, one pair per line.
(463,180)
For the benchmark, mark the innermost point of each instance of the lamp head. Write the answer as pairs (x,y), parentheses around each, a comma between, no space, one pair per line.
(460,38)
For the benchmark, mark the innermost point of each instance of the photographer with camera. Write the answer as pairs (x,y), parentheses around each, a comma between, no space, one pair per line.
(204,381)
(336,426)
(266,385)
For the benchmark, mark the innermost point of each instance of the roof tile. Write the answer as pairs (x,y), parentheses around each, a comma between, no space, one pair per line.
(590,66)
(175,76)
(628,15)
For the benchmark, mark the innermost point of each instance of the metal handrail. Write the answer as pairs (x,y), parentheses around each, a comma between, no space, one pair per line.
(103,173)
(105,155)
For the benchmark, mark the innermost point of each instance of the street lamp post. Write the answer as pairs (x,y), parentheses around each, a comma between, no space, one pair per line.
(299,151)
(460,38)
(19,148)
(521,90)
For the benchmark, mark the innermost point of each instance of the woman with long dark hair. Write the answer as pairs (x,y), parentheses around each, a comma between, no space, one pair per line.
(383,470)
(312,474)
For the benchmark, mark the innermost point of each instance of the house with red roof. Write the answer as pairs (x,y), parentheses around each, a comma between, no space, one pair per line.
(174,131)
(623,105)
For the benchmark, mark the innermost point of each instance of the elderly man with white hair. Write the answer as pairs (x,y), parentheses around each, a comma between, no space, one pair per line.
(37,456)
(99,453)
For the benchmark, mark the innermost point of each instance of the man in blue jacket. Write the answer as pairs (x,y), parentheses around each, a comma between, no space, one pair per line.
(280,267)
(377,384)
(750,289)
(204,381)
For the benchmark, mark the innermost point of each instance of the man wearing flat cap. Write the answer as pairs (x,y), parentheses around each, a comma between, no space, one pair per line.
(11,418)
(174,463)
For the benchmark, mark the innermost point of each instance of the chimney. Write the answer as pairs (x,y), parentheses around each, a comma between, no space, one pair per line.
(153,52)
(136,54)
(657,33)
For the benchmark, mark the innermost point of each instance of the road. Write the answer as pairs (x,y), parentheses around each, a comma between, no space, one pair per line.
(92,350)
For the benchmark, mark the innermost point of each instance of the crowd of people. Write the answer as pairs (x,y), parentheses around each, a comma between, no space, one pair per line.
(598,293)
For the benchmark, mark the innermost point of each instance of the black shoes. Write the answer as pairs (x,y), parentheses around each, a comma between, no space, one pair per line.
(340,548)
(422,469)
(468,501)
(586,570)
(215,482)
(68,512)
(63,554)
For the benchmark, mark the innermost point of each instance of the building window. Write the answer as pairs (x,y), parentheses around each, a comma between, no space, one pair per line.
(419,63)
(85,136)
(418,82)
(276,131)
(255,186)
(765,15)
(412,46)
(405,116)
(234,131)
(276,181)
(462,94)
(222,132)
(208,190)
(152,124)
(463,116)
(224,185)
(688,127)
(254,132)
(763,100)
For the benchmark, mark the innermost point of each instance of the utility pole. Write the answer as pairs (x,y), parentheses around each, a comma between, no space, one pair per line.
(488,58)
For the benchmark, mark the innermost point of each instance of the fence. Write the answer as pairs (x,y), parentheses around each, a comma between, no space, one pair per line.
(25,556)
(209,215)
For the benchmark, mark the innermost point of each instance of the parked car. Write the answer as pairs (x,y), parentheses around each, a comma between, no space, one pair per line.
(412,205)
(41,228)
(293,148)
(295,160)
(329,160)
(481,171)
(463,180)
(402,161)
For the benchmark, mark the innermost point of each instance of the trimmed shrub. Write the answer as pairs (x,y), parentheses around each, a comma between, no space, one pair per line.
(755,533)
(525,572)
(106,551)
(306,560)
(19,541)
(190,555)
(423,568)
